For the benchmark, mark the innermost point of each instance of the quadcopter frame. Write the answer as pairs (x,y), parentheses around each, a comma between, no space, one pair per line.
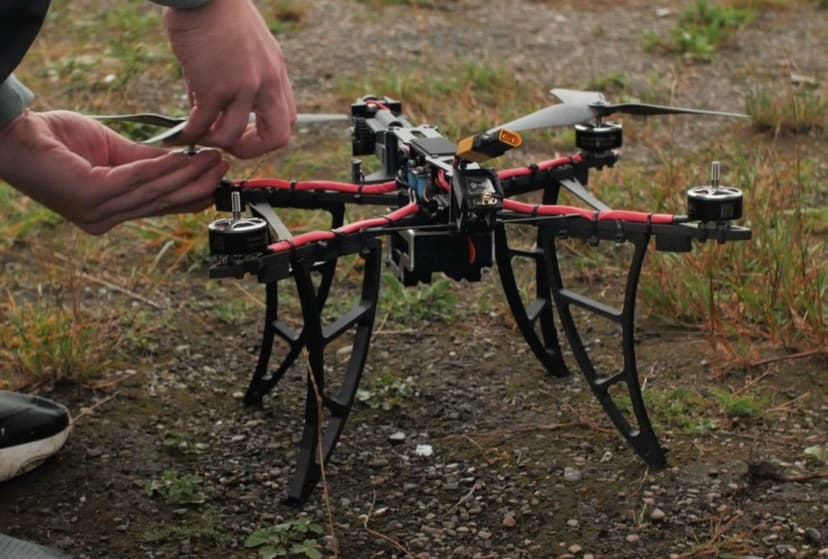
(452,216)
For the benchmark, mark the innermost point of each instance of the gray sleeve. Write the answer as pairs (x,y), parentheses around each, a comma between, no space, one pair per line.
(14,98)
(181,3)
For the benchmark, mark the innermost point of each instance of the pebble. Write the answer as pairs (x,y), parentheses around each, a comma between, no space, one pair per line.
(633,538)
(509,520)
(813,536)
(396,437)
(657,515)
(575,549)
(433,532)
(572,474)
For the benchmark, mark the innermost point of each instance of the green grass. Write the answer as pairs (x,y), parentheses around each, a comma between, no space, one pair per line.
(769,291)
(22,218)
(177,489)
(462,100)
(51,337)
(295,538)
(204,528)
(409,306)
(792,111)
(702,29)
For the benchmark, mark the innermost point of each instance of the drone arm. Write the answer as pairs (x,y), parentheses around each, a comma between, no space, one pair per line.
(380,188)
(356,227)
(592,215)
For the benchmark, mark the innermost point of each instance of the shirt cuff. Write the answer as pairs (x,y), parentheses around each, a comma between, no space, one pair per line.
(185,4)
(14,98)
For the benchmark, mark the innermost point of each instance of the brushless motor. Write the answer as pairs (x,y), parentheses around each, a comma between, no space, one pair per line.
(598,138)
(714,202)
(238,235)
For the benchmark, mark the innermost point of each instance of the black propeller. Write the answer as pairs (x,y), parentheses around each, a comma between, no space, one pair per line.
(578,107)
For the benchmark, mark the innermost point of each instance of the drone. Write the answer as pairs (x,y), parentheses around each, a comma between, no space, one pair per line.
(449,212)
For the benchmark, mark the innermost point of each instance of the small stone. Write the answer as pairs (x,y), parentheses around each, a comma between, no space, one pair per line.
(424,450)
(572,474)
(813,536)
(633,538)
(575,549)
(509,520)
(572,523)
(433,532)
(657,515)
(396,437)
(484,534)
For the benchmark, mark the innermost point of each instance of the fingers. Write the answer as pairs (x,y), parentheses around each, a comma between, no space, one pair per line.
(101,227)
(158,186)
(203,114)
(226,127)
(275,115)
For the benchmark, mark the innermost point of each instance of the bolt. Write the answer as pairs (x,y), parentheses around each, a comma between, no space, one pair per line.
(715,174)
(235,205)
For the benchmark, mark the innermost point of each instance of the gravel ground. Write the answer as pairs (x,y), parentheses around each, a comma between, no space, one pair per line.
(523,465)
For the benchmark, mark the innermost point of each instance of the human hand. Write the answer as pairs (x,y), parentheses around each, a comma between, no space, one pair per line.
(96,178)
(233,67)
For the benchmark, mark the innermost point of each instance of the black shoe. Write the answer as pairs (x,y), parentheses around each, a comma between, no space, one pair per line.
(31,430)
(11,548)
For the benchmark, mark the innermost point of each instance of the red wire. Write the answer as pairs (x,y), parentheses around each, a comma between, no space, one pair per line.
(379,188)
(377,103)
(542,166)
(610,215)
(315,236)
(472,250)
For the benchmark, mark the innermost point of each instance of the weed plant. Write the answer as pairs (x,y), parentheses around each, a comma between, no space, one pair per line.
(702,28)
(46,339)
(794,111)
(770,290)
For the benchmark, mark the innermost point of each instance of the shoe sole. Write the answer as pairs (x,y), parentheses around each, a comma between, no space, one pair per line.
(18,460)
(11,548)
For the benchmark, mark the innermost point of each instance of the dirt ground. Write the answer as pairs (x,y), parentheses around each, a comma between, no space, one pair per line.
(524,465)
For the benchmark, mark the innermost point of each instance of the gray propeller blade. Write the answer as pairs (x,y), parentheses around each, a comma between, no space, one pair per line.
(577,107)
(563,114)
(578,97)
(648,110)
(177,124)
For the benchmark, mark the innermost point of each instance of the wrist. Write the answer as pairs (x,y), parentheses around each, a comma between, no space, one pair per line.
(14,99)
